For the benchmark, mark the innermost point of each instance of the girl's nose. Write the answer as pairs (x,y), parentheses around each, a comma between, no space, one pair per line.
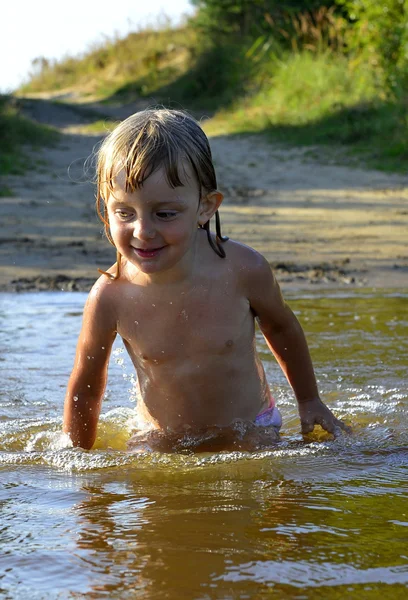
(144,229)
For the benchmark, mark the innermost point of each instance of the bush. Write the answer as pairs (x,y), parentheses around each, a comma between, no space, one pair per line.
(379,36)
(225,19)
(17,131)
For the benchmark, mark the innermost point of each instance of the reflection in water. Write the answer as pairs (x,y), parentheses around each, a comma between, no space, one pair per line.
(322,519)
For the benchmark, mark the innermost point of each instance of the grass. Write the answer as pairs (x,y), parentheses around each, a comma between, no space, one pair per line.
(304,98)
(5,191)
(17,132)
(101,126)
(120,68)
(321,99)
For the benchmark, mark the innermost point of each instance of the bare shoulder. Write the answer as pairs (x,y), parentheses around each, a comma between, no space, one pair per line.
(258,282)
(101,303)
(250,264)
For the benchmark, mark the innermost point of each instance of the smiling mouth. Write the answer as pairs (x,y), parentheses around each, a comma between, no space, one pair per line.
(147,252)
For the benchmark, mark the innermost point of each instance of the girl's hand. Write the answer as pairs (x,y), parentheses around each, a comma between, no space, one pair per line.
(314,412)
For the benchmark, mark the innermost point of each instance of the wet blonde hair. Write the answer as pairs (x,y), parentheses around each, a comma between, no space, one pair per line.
(147,141)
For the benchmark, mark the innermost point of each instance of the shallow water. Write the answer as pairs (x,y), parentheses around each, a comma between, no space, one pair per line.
(320,519)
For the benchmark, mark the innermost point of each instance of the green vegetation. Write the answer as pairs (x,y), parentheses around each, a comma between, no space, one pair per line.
(304,71)
(314,72)
(17,131)
(320,99)
(5,191)
(123,68)
(100,126)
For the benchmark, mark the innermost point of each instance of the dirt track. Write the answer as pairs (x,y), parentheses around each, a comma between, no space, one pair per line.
(316,223)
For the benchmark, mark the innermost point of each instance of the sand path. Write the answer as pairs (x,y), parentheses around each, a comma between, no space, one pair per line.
(316,223)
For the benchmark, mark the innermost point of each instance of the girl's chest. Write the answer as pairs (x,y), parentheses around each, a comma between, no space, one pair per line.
(199,322)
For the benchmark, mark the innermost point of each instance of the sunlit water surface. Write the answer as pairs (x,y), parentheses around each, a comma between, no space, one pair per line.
(319,519)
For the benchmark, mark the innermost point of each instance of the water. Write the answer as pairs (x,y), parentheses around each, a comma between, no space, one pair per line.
(322,519)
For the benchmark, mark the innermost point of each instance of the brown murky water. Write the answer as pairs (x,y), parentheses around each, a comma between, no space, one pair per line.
(321,519)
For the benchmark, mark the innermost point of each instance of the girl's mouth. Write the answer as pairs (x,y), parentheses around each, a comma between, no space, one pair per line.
(148,252)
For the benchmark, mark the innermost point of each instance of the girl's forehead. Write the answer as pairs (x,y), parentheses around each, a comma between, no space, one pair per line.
(159,181)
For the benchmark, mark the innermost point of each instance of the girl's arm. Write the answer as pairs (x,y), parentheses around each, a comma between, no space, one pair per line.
(88,378)
(285,338)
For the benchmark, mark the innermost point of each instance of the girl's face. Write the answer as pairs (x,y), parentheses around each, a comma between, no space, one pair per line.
(155,227)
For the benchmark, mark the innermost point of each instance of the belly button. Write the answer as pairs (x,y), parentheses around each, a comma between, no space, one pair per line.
(229,343)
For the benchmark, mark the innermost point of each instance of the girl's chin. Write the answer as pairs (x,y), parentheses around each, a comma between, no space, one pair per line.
(162,263)
(149,263)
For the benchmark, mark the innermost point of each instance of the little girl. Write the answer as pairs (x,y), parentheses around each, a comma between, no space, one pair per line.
(183,300)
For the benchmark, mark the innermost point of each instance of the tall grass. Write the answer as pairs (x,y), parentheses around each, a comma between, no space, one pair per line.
(300,88)
(137,64)
(17,132)
(310,99)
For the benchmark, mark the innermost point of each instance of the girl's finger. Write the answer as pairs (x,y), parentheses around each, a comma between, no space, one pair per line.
(343,426)
(328,425)
(307,426)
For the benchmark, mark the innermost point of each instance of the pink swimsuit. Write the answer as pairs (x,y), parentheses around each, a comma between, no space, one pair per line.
(270,416)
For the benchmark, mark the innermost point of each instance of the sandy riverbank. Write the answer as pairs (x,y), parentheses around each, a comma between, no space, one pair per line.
(318,224)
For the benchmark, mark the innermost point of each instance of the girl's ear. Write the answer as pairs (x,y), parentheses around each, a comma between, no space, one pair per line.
(209,204)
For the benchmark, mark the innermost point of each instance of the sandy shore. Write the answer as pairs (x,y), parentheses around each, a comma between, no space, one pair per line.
(317,224)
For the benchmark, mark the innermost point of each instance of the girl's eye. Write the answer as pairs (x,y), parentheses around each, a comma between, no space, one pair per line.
(122,214)
(166,214)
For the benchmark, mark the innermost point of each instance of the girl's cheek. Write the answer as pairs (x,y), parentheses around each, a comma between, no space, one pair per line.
(116,231)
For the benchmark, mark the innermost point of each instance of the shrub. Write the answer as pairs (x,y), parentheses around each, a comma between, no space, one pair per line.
(379,37)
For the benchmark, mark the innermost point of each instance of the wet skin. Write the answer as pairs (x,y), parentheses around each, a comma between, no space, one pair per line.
(187,319)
